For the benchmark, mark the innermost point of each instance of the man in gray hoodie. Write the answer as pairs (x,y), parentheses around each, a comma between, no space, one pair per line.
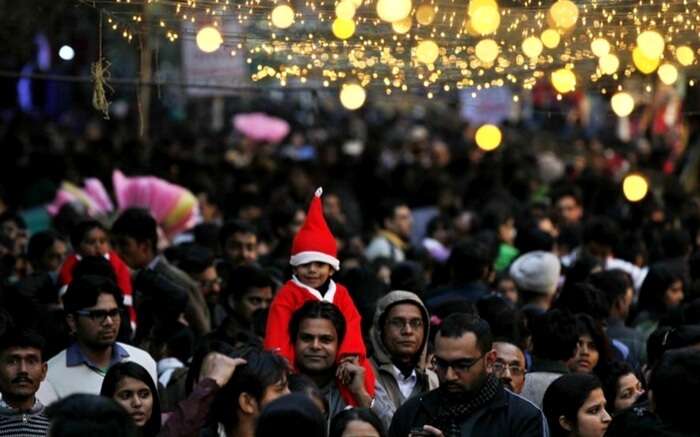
(399,337)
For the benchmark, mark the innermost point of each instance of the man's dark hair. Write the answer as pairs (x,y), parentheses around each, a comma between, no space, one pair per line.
(614,283)
(387,209)
(315,309)
(21,337)
(554,335)
(80,230)
(341,420)
(235,227)
(675,383)
(567,190)
(458,324)
(194,259)
(675,243)
(239,280)
(506,322)
(138,224)
(584,298)
(84,292)
(601,230)
(39,243)
(261,370)
(469,260)
(288,413)
(81,415)
(95,266)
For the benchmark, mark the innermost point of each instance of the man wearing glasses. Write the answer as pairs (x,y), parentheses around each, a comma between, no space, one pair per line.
(93,308)
(471,400)
(399,337)
(509,366)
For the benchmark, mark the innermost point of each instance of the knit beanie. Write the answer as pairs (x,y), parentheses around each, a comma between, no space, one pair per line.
(314,241)
(537,272)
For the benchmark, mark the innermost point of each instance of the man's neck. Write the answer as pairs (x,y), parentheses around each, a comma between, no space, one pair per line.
(22,404)
(99,357)
(244,428)
(406,365)
(322,379)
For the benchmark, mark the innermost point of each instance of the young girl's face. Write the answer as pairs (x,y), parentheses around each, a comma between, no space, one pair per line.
(592,418)
(313,274)
(95,243)
(136,398)
(586,357)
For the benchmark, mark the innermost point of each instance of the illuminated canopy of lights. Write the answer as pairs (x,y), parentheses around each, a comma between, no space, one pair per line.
(587,44)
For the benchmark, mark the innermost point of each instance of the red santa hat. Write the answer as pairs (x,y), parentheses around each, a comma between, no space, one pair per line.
(314,241)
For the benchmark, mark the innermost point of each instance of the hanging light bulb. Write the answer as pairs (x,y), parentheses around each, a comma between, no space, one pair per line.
(609,64)
(635,187)
(282,16)
(643,63)
(564,13)
(564,80)
(352,96)
(668,74)
(427,51)
(393,10)
(343,28)
(487,50)
(532,47)
(685,55)
(622,104)
(345,9)
(485,17)
(600,47)
(550,38)
(488,137)
(651,44)
(402,26)
(209,39)
(425,14)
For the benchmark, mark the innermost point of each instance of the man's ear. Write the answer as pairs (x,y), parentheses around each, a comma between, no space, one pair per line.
(564,422)
(72,323)
(44,369)
(247,403)
(490,358)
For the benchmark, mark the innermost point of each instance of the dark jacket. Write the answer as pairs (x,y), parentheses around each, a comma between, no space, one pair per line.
(507,414)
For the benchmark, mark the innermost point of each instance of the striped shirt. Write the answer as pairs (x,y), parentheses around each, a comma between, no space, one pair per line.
(14,423)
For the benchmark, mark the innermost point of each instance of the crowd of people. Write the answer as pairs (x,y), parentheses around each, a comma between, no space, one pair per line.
(429,289)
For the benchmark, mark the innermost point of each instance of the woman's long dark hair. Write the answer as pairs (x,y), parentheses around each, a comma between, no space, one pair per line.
(564,397)
(121,370)
(340,421)
(653,289)
(586,325)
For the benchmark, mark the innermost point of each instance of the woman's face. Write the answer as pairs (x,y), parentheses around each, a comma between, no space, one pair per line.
(629,389)
(592,419)
(674,294)
(586,357)
(358,428)
(135,396)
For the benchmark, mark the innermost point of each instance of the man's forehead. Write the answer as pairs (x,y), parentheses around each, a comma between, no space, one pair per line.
(317,327)
(508,352)
(465,346)
(104,301)
(20,351)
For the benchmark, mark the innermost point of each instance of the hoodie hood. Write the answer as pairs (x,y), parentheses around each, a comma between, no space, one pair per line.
(381,353)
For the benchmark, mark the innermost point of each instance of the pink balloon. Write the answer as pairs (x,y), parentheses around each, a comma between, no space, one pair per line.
(261,127)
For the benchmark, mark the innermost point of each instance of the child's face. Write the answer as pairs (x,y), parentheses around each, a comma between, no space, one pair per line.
(313,274)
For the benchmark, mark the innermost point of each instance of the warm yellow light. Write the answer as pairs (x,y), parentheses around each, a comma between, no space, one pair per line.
(635,187)
(550,38)
(425,14)
(488,137)
(402,26)
(393,10)
(622,104)
(352,96)
(609,64)
(343,28)
(668,74)
(209,39)
(282,16)
(564,80)
(487,50)
(485,19)
(345,9)
(651,44)
(643,63)
(476,4)
(600,47)
(685,55)
(532,46)
(357,3)
(427,51)
(564,13)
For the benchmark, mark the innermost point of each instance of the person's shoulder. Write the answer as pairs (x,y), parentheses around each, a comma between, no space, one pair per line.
(136,354)
(57,360)
(523,405)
